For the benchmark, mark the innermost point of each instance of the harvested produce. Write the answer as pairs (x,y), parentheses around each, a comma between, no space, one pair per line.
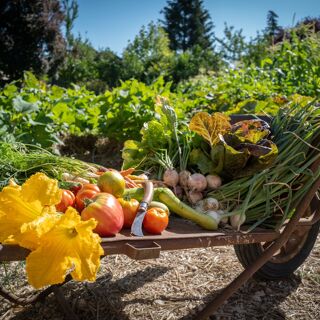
(175,205)
(183,178)
(194,196)
(156,220)
(67,200)
(107,211)
(88,191)
(130,208)
(112,182)
(197,182)
(171,177)
(237,150)
(214,215)
(257,199)
(19,161)
(237,221)
(214,181)
(59,243)
(207,204)
(157,204)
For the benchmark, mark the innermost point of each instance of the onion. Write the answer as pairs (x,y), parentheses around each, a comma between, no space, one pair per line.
(171,177)
(143,176)
(224,220)
(178,191)
(215,215)
(194,196)
(197,182)
(237,220)
(210,204)
(199,206)
(69,177)
(183,178)
(214,182)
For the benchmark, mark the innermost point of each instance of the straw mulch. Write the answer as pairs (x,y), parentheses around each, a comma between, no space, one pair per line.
(173,287)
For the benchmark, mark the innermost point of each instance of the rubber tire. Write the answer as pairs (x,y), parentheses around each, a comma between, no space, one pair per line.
(248,253)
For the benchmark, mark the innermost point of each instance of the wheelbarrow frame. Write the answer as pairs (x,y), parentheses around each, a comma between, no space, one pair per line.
(182,235)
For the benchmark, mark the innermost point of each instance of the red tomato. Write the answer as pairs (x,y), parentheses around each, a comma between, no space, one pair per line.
(106,209)
(130,208)
(88,191)
(156,220)
(67,200)
(75,188)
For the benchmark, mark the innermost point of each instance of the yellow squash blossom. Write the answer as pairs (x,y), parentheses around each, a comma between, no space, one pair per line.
(69,245)
(60,242)
(22,205)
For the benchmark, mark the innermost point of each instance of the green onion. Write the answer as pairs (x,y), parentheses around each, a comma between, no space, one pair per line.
(19,161)
(269,197)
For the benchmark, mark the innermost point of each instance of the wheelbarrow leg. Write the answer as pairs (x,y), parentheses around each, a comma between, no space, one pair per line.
(266,255)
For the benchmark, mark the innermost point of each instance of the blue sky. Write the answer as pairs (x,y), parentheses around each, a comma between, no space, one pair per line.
(111,23)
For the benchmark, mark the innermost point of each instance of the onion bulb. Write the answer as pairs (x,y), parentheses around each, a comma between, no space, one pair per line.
(210,204)
(143,176)
(178,191)
(171,177)
(237,220)
(197,182)
(194,196)
(214,182)
(224,220)
(215,215)
(183,178)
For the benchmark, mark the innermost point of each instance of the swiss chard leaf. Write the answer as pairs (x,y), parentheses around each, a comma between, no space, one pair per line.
(210,126)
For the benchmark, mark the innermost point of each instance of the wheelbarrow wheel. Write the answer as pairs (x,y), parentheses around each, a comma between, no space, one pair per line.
(288,259)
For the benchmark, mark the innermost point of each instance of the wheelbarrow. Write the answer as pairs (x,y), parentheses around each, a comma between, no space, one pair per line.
(264,253)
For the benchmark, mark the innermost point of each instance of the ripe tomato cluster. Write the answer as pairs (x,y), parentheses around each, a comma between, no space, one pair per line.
(103,202)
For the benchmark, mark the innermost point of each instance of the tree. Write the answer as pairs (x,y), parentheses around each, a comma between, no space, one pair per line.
(187,24)
(233,44)
(109,67)
(148,56)
(192,63)
(79,66)
(30,37)
(272,24)
(71,10)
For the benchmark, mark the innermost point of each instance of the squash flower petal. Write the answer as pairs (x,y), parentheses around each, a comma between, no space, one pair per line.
(71,245)
(20,205)
(41,188)
(31,233)
(14,212)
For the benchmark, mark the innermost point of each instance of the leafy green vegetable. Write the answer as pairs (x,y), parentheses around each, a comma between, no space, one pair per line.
(210,126)
(250,130)
(200,160)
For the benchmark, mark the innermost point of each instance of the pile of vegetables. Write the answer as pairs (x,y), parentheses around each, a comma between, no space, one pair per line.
(270,196)
(251,171)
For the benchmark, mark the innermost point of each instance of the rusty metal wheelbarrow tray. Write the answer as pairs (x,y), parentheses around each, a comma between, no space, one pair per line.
(180,234)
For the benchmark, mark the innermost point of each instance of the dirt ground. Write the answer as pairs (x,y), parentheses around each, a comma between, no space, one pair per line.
(90,148)
(174,286)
